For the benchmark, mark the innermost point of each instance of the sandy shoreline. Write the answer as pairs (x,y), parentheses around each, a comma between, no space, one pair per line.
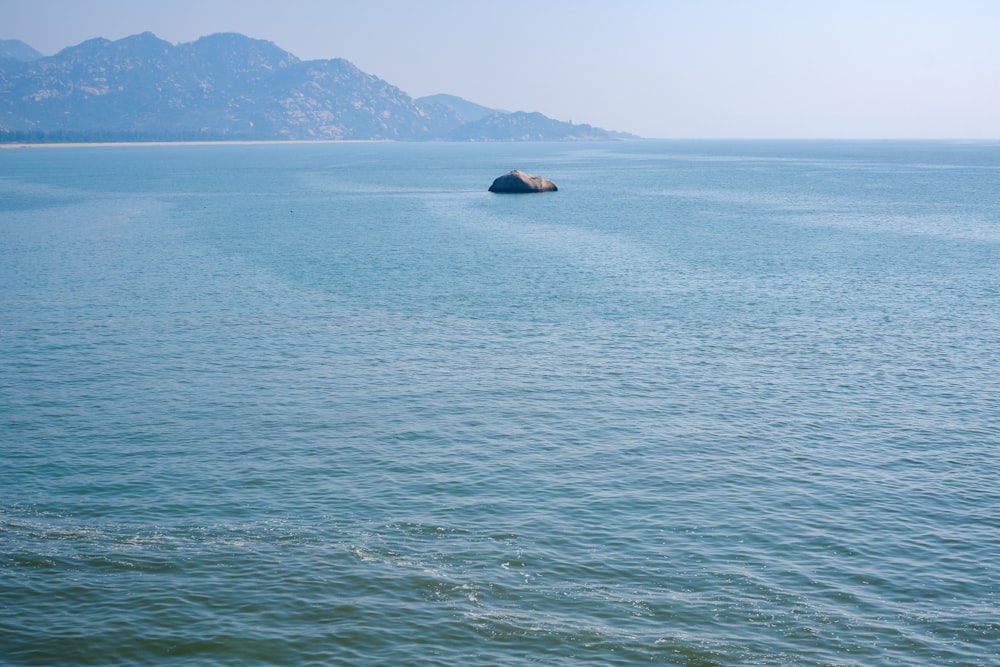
(111,144)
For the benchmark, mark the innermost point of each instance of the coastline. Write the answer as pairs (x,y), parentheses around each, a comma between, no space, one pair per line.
(235,142)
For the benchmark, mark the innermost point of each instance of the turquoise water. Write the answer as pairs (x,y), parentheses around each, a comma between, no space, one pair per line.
(712,403)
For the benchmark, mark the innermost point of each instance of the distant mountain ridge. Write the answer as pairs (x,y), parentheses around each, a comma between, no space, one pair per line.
(466,110)
(18,50)
(228,86)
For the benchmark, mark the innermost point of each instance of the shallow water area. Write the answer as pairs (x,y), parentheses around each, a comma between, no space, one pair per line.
(711,403)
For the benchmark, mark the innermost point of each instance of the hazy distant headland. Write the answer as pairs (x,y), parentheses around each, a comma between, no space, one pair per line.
(227,87)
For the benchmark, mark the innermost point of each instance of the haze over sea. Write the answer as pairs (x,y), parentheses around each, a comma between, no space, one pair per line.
(712,403)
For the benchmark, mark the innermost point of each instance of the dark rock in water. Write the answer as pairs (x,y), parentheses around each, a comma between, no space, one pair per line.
(517,182)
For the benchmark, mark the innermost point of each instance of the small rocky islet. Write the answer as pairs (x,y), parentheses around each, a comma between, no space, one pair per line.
(520,182)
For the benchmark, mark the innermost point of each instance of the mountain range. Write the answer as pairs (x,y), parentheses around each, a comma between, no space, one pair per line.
(231,87)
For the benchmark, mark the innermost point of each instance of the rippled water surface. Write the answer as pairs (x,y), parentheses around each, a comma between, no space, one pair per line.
(712,403)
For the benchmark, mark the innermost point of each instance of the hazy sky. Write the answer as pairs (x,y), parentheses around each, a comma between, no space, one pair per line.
(659,68)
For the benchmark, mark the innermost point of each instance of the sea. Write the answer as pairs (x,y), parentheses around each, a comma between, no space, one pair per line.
(712,403)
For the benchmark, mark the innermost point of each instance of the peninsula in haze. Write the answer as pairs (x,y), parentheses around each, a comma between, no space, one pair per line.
(228,86)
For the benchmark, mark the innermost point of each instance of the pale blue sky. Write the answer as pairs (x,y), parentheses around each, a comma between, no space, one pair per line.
(659,68)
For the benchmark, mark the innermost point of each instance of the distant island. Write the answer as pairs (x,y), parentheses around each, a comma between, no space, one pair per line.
(227,87)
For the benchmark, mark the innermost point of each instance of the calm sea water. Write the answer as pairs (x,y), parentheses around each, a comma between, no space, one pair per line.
(712,403)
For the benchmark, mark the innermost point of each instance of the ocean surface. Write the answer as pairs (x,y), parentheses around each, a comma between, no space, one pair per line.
(710,404)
